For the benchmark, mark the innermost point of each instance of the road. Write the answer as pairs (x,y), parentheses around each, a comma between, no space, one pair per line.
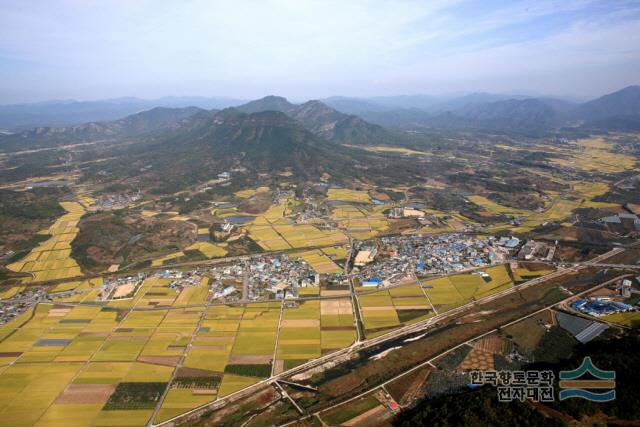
(178,366)
(411,329)
(244,257)
(470,340)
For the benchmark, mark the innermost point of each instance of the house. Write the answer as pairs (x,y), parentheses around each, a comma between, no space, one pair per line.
(508,242)
(374,281)
(412,213)
(225,292)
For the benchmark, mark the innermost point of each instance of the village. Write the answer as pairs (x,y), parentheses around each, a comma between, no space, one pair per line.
(380,261)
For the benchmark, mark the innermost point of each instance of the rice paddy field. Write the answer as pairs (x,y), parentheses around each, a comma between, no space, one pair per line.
(84,365)
(595,154)
(449,292)
(496,208)
(521,273)
(337,324)
(210,250)
(101,365)
(388,309)
(347,195)
(299,339)
(51,259)
(581,195)
(245,194)
(361,222)
(336,252)
(320,262)
(110,364)
(160,261)
(274,232)
(282,235)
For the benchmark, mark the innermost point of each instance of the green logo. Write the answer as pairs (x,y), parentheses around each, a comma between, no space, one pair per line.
(572,386)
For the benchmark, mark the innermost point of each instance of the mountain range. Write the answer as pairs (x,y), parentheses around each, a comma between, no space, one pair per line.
(170,149)
(325,121)
(70,112)
(616,111)
(191,145)
(501,112)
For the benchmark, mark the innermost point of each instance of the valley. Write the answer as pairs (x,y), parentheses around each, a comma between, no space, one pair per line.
(289,264)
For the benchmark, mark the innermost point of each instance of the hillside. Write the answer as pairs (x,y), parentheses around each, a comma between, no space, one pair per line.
(62,113)
(198,148)
(511,114)
(625,102)
(325,121)
(131,126)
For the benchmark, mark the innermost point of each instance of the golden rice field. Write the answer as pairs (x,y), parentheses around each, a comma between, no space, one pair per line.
(521,273)
(347,195)
(494,207)
(273,231)
(61,366)
(595,154)
(388,309)
(69,365)
(631,319)
(580,196)
(210,250)
(299,338)
(281,235)
(51,259)
(245,194)
(360,222)
(449,292)
(320,262)
(160,261)
(336,252)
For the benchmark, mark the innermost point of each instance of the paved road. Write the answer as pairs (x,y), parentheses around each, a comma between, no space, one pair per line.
(411,329)
(431,360)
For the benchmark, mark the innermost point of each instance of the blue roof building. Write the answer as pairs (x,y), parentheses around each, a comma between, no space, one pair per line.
(374,281)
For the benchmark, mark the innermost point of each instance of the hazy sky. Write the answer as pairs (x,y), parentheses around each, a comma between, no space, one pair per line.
(84,49)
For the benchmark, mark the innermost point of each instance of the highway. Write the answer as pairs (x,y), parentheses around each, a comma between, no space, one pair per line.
(393,335)
(470,340)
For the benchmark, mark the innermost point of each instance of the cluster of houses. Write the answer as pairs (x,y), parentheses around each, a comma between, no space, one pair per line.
(182,279)
(109,202)
(266,276)
(12,307)
(422,255)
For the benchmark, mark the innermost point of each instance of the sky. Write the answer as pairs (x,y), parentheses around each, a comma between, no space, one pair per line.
(302,49)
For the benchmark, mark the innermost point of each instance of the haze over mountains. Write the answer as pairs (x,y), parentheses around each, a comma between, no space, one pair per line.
(191,144)
(59,113)
(618,110)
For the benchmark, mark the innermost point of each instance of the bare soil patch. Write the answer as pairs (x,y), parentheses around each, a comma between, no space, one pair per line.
(301,323)
(249,360)
(160,360)
(86,393)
